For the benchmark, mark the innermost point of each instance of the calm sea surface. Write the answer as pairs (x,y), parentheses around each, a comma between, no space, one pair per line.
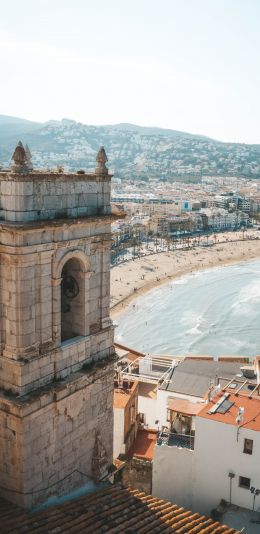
(215,312)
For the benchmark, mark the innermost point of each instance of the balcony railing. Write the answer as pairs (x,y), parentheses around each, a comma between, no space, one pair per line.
(175,440)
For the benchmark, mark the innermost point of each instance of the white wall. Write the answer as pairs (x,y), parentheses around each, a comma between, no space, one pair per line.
(198,479)
(162,403)
(173,474)
(147,406)
(119,424)
(218,452)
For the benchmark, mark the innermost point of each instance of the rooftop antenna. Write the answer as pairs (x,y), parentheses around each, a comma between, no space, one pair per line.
(240,418)
(218,388)
(210,392)
(254,492)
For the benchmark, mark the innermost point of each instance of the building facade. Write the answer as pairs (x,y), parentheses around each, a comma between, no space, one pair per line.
(56,363)
(221,463)
(125,416)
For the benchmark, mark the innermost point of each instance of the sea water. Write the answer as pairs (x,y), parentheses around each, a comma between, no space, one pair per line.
(214,312)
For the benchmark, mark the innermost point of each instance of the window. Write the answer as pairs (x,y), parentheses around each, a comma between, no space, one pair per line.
(72,300)
(244,482)
(142,418)
(132,414)
(248,446)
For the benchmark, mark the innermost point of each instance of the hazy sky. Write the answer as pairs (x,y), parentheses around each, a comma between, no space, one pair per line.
(190,65)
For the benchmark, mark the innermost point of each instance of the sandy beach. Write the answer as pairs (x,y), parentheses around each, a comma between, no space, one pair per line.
(133,278)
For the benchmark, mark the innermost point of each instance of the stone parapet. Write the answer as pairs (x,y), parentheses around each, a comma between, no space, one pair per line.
(45,196)
(50,234)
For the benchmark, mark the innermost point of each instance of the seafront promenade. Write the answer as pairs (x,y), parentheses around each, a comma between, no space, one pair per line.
(133,278)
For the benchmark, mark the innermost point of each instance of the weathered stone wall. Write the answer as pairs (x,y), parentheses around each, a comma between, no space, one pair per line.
(42,196)
(47,441)
(22,377)
(30,297)
(137,474)
(56,398)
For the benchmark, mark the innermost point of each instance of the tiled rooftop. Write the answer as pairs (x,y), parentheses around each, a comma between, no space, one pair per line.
(113,510)
(184,406)
(242,400)
(124,394)
(143,446)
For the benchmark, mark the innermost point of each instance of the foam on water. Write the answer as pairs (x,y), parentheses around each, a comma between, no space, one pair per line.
(214,311)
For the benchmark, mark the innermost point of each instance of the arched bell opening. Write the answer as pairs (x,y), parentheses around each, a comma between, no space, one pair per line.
(72,300)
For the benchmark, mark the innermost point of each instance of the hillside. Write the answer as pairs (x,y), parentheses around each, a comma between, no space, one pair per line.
(133,151)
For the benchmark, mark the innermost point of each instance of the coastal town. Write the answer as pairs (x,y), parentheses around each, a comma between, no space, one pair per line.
(161,213)
(151,268)
(169,408)
(178,404)
(130,267)
(194,438)
(81,411)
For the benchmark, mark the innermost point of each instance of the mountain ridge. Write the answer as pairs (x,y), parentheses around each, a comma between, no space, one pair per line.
(122,126)
(138,152)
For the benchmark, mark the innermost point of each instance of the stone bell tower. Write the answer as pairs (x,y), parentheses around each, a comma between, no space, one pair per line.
(56,362)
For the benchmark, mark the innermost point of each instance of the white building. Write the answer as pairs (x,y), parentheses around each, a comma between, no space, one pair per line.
(125,417)
(190,381)
(221,219)
(220,462)
(226,453)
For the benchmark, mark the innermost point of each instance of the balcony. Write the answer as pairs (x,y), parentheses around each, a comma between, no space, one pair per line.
(170,439)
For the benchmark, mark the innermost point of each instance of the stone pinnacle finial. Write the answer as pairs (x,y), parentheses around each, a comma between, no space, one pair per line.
(28,158)
(19,159)
(19,154)
(101,160)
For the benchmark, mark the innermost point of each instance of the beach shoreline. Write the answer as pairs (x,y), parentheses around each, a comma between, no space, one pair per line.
(134,278)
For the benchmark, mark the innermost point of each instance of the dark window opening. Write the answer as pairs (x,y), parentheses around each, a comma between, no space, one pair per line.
(142,418)
(72,300)
(248,446)
(244,482)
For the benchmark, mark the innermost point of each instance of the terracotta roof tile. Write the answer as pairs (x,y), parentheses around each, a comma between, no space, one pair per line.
(113,510)
(184,406)
(144,444)
(250,405)
(123,395)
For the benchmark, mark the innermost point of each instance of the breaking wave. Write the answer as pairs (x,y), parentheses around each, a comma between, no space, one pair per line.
(216,311)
